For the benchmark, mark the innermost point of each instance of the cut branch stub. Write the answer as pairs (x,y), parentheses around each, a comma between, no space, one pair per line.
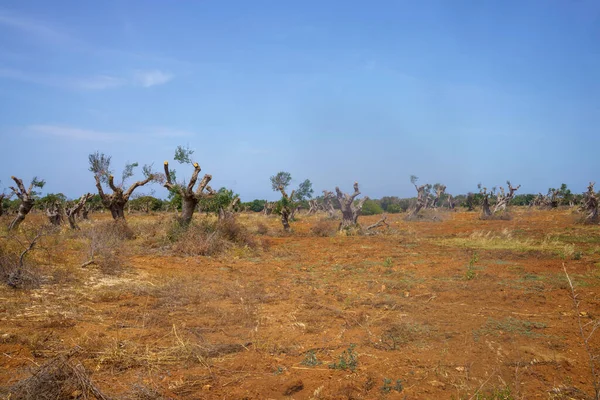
(350,210)
(117,200)
(189,197)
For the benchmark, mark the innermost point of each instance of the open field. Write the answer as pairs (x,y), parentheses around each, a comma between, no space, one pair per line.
(460,308)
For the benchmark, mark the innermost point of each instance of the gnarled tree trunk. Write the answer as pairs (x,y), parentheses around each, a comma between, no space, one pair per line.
(440,190)
(189,197)
(286,208)
(313,206)
(268,209)
(451,203)
(328,204)
(228,212)
(27,202)
(422,200)
(54,214)
(503,198)
(74,210)
(590,205)
(350,211)
(117,200)
(485,204)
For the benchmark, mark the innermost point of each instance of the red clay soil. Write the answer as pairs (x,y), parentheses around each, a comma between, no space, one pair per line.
(453,308)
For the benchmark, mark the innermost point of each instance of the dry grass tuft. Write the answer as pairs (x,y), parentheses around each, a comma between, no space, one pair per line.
(209,238)
(323,229)
(59,378)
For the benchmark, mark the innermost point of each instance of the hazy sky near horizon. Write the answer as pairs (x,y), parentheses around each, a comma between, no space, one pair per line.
(458,92)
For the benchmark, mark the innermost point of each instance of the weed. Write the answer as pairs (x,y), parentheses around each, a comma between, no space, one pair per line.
(471,274)
(310,359)
(387,386)
(389,262)
(511,325)
(401,334)
(495,394)
(347,360)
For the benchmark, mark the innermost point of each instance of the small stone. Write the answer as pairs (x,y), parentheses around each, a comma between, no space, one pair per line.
(206,388)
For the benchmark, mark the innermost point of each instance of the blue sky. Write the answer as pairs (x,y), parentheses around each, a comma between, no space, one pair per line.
(458,92)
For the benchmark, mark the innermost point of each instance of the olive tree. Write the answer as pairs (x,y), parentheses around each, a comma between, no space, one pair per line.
(190,197)
(350,209)
(116,201)
(27,198)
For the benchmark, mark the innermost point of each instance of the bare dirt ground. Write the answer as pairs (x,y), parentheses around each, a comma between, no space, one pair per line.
(458,308)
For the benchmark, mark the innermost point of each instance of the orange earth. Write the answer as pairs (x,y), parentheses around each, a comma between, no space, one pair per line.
(456,308)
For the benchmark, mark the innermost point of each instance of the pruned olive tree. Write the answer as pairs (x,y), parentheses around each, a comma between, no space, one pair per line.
(268,208)
(313,206)
(350,209)
(190,197)
(54,212)
(286,207)
(423,199)
(116,201)
(440,191)
(486,212)
(73,211)
(504,198)
(328,203)
(589,205)
(27,197)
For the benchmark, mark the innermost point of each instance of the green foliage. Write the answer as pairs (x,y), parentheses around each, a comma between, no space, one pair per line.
(38,183)
(128,171)
(146,203)
(348,360)
(388,262)
(370,207)
(222,199)
(414,179)
(50,199)
(304,191)
(387,386)
(255,205)
(310,359)
(282,179)
(183,155)
(471,274)
(100,165)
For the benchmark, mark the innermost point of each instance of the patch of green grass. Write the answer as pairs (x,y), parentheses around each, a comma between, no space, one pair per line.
(510,325)
(388,262)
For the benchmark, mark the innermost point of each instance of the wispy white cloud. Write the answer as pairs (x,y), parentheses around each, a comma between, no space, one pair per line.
(151,78)
(74,133)
(34,28)
(93,82)
(98,82)
(68,132)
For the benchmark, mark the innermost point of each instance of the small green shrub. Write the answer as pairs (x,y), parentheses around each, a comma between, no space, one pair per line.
(348,360)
